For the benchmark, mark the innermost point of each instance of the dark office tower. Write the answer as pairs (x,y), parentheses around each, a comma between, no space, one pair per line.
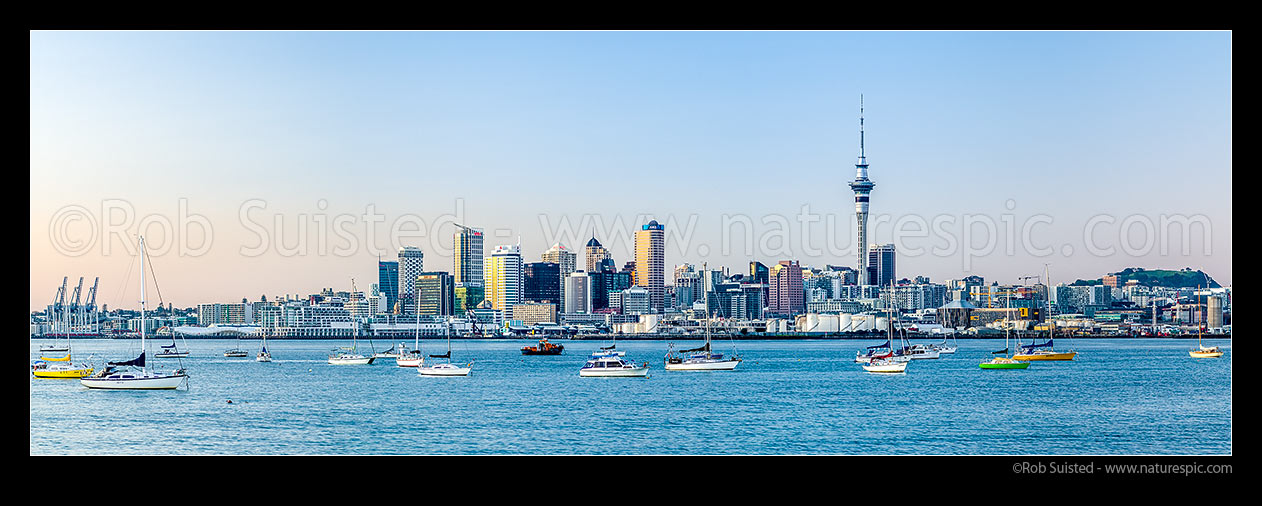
(602,283)
(758,272)
(629,268)
(881,265)
(541,282)
(388,283)
(435,294)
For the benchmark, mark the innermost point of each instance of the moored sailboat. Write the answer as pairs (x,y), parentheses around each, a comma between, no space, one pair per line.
(889,362)
(414,357)
(1201,351)
(1004,362)
(701,358)
(111,378)
(447,368)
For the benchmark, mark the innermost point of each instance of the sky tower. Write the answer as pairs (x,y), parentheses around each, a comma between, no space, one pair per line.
(862,186)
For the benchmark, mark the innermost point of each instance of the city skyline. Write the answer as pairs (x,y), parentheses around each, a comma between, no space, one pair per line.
(512,133)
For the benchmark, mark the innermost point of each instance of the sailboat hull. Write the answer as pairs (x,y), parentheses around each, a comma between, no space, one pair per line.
(1205,354)
(889,368)
(359,360)
(409,362)
(717,365)
(439,370)
(1066,355)
(171,355)
(139,382)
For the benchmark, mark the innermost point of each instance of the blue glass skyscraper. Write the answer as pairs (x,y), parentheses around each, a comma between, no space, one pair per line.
(388,279)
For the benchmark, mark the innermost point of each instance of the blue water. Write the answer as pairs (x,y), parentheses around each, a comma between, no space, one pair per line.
(1119,397)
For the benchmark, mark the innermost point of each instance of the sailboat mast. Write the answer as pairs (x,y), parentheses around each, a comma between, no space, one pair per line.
(1198,309)
(143,350)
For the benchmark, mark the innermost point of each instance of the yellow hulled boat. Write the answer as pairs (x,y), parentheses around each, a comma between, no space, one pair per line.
(1046,355)
(1201,351)
(1042,352)
(60,370)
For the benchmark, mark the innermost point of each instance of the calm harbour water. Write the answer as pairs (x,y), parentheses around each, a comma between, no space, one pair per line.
(1119,397)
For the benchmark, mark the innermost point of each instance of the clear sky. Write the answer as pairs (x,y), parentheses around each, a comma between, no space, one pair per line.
(724,136)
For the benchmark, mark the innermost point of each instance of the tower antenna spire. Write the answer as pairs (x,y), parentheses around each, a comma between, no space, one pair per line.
(862,157)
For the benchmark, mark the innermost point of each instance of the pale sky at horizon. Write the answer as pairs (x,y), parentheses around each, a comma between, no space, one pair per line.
(517,131)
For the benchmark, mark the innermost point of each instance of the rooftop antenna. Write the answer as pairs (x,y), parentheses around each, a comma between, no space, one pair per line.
(862,159)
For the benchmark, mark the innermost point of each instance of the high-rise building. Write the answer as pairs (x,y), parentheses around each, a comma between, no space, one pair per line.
(578,292)
(862,187)
(784,290)
(758,273)
(502,278)
(468,296)
(566,259)
(881,265)
(467,255)
(540,282)
(650,261)
(435,294)
(411,265)
(636,300)
(388,283)
(604,283)
(596,254)
(629,267)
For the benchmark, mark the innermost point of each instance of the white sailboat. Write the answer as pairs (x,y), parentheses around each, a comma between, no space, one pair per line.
(171,350)
(351,355)
(264,355)
(111,378)
(236,352)
(887,363)
(446,368)
(413,358)
(945,349)
(702,358)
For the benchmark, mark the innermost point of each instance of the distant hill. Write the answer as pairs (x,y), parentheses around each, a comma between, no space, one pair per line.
(1186,278)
